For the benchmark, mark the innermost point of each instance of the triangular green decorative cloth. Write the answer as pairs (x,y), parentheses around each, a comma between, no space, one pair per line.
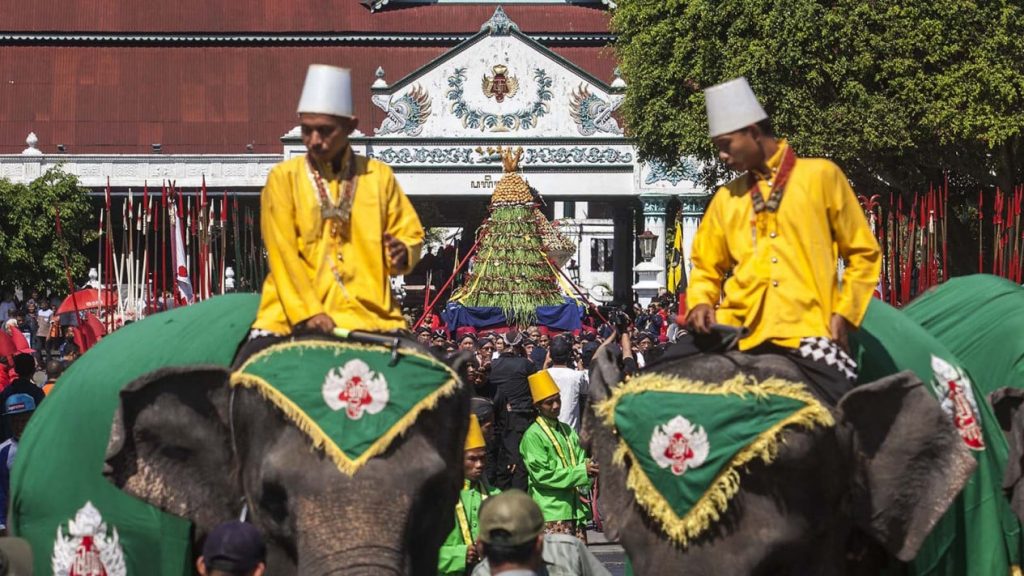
(687,441)
(347,397)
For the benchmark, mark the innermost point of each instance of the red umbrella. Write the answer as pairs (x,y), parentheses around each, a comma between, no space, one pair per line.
(88,299)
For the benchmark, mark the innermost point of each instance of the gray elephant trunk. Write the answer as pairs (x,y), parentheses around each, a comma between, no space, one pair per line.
(360,561)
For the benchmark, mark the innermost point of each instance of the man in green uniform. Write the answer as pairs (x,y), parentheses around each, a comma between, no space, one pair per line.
(558,469)
(458,553)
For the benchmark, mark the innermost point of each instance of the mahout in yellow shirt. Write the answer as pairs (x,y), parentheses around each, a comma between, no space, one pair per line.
(776,274)
(348,275)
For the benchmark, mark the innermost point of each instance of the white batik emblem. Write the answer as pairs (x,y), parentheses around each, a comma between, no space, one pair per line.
(355,388)
(679,445)
(956,397)
(89,548)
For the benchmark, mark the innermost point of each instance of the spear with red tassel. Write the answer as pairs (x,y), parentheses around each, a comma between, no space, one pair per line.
(1015,272)
(997,223)
(223,239)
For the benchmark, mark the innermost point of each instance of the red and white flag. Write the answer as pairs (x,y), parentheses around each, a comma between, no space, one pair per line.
(180,264)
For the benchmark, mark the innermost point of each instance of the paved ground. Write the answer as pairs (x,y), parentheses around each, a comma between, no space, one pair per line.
(612,556)
(609,553)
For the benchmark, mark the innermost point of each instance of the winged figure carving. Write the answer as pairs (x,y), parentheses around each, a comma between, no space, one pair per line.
(592,114)
(406,114)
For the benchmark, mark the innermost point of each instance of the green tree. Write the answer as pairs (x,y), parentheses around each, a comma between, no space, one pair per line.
(31,254)
(896,91)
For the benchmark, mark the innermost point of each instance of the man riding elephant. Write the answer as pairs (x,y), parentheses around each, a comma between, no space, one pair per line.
(346,453)
(777,229)
(336,226)
(768,460)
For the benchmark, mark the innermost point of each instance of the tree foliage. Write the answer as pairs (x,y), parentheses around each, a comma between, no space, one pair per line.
(31,254)
(895,91)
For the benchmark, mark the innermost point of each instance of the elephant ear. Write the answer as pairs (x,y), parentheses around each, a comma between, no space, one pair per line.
(170,444)
(909,463)
(1006,403)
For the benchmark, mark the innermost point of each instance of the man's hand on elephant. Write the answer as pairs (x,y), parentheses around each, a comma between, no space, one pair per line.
(701,318)
(592,468)
(397,252)
(840,329)
(320,323)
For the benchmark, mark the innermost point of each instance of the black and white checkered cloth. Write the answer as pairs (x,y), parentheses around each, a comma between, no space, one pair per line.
(825,351)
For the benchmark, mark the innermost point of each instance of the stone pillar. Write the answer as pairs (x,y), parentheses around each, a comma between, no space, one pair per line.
(692,209)
(622,251)
(654,220)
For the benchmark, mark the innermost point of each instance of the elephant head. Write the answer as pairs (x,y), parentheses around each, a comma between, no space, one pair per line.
(888,469)
(189,443)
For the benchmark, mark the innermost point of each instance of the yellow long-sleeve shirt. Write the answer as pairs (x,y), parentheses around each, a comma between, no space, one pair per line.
(784,286)
(301,249)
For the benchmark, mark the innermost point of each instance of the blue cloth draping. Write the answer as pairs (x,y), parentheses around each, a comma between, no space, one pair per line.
(567,316)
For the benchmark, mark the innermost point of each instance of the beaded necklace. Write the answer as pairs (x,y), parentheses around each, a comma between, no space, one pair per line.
(337,213)
(778,186)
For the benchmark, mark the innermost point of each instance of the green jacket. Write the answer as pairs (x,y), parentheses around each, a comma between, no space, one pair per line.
(452,558)
(554,484)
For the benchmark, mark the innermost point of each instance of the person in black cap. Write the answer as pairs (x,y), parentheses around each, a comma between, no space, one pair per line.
(513,409)
(233,549)
(484,410)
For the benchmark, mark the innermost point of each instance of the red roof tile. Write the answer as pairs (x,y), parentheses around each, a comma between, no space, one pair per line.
(151,16)
(189,99)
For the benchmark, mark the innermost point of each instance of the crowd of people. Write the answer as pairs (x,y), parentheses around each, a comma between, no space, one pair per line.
(43,347)
(49,335)
(531,389)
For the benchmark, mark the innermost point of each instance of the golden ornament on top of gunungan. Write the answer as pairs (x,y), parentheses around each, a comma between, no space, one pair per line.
(511,189)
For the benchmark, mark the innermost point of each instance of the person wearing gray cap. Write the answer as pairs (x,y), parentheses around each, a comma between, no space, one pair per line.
(512,542)
(510,534)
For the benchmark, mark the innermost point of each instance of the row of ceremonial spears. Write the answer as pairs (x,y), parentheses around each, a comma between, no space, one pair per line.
(173,249)
(1007,235)
(913,236)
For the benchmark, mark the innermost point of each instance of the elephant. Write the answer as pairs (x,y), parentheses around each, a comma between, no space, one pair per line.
(887,471)
(187,442)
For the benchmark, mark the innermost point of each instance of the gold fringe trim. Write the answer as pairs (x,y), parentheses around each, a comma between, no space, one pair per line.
(309,427)
(1015,571)
(715,500)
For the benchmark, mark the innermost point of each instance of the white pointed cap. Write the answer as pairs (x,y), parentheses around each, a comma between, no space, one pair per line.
(328,90)
(732,106)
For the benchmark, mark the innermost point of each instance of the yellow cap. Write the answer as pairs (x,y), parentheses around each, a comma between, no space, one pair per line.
(475,436)
(542,386)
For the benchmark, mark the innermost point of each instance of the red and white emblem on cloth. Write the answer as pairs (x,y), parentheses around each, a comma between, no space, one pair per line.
(956,396)
(89,548)
(355,388)
(679,445)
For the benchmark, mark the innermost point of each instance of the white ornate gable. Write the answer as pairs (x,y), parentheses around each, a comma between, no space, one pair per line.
(498,84)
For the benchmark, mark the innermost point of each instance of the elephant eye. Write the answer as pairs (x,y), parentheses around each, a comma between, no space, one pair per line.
(274,500)
(179,453)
